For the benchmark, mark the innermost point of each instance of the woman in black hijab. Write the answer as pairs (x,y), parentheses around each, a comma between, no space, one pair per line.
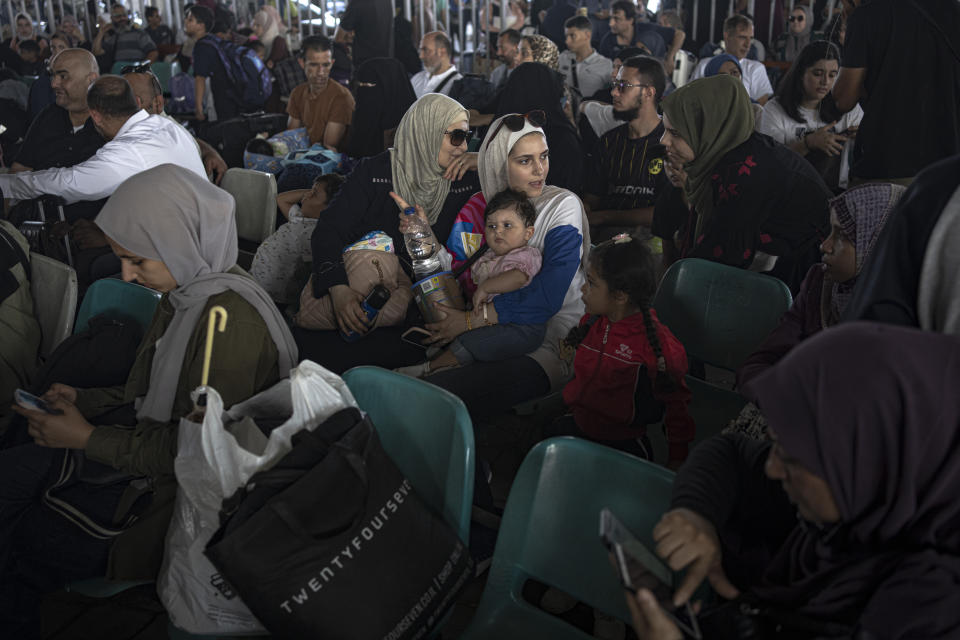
(869,471)
(533,86)
(892,288)
(383,95)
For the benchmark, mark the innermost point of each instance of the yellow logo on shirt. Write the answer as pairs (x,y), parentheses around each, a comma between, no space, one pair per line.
(655,166)
(471,242)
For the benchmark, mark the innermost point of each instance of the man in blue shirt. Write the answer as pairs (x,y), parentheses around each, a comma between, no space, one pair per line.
(207,64)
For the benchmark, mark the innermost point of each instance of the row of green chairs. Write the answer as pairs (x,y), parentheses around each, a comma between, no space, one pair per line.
(721,314)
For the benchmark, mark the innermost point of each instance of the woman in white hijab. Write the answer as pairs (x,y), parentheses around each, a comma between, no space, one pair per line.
(269,28)
(181,241)
(514,154)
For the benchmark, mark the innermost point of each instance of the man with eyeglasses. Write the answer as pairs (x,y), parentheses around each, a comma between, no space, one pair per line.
(322,105)
(439,72)
(737,36)
(628,161)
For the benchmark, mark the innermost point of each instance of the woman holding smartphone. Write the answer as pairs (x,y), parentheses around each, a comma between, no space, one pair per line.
(803,116)
(846,523)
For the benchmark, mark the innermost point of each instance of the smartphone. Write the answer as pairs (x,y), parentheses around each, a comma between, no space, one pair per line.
(29,401)
(416,336)
(639,568)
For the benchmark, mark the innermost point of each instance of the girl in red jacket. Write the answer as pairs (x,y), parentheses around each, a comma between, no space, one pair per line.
(628,368)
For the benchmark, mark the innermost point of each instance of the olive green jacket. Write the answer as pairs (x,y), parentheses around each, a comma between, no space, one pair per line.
(244,362)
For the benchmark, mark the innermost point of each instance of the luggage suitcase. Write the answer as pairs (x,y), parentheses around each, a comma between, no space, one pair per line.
(230,137)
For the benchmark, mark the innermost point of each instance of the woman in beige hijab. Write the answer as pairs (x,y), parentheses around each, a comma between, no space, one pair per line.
(269,28)
(427,167)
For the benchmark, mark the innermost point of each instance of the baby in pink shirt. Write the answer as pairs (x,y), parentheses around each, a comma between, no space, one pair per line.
(507,265)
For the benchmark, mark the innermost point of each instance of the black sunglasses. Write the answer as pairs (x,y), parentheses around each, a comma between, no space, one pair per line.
(140,67)
(458,136)
(797,18)
(514,122)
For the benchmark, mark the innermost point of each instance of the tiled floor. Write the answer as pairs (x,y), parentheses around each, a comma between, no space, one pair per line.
(137,614)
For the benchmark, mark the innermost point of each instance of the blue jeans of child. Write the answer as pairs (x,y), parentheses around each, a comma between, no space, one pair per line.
(497,342)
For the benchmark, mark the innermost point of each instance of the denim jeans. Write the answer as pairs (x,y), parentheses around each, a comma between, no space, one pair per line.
(40,551)
(497,342)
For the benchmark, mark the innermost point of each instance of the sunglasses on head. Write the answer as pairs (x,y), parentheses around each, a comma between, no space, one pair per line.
(140,67)
(797,18)
(514,122)
(458,136)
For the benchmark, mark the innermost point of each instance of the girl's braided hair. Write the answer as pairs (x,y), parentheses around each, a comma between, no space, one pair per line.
(626,264)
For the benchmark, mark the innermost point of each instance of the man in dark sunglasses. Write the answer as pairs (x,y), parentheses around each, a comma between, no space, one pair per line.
(628,161)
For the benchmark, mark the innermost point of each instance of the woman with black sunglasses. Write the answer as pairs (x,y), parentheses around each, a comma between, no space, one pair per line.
(428,166)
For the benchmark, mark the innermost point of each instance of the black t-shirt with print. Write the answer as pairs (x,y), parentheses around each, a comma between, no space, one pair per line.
(912,82)
(628,173)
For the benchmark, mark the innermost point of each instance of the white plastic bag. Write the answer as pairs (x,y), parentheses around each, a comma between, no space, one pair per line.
(213,461)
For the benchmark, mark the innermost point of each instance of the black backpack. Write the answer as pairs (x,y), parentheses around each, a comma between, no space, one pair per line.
(473,91)
(100,356)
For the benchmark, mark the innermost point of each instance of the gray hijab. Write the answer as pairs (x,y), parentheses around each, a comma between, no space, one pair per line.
(417,176)
(188,225)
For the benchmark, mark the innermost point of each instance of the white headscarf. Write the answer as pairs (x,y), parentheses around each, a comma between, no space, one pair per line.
(272,24)
(171,214)
(492,164)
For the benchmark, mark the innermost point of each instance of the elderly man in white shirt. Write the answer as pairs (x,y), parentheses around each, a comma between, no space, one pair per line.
(737,36)
(438,73)
(136,142)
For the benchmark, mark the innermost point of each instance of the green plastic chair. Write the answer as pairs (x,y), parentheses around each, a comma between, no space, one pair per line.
(721,314)
(118,299)
(550,533)
(427,432)
(164,71)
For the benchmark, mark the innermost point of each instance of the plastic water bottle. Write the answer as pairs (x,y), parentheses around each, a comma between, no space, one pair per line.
(421,245)
(371,306)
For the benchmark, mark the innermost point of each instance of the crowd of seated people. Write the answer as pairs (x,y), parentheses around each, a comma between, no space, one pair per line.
(555,204)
